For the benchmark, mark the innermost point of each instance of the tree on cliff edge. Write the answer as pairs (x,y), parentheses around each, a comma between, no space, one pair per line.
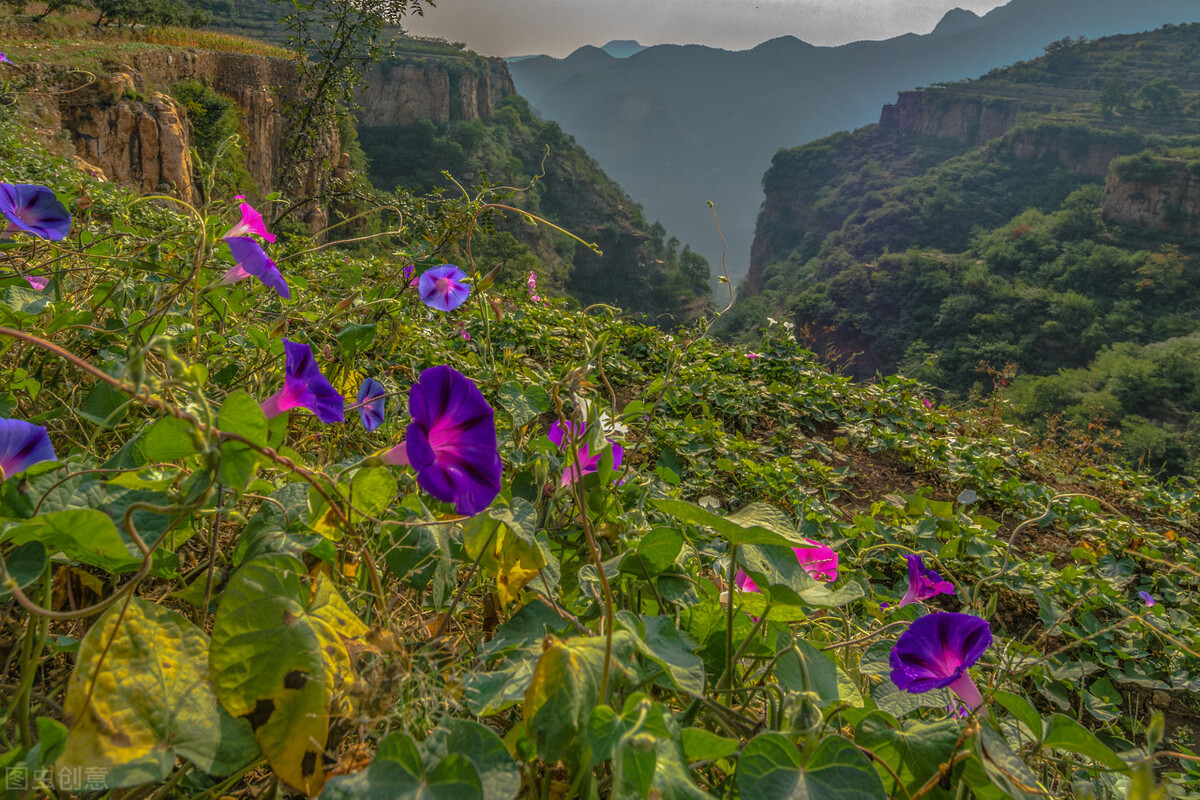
(334,43)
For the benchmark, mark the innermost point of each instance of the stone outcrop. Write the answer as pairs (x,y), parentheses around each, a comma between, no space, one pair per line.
(1083,158)
(968,118)
(439,89)
(126,125)
(1168,202)
(139,143)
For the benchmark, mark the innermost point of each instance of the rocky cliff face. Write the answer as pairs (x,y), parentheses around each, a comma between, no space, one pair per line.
(968,118)
(1168,202)
(137,139)
(128,127)
(440,89)
(1084,158)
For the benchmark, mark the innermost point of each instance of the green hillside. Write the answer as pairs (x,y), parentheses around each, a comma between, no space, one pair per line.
(203,602)
(910,245)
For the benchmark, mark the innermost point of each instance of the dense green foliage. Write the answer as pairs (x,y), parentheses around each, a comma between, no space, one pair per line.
(268,587)
(213,124)
(925,255)
(640,268)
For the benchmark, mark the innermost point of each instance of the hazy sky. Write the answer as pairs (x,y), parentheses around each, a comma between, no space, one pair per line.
(556,27)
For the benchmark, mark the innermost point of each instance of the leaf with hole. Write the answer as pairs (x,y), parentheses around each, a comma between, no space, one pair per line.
(279,659)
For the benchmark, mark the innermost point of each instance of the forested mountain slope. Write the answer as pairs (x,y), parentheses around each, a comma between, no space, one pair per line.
(677,125)
(1039,216)
(438,118)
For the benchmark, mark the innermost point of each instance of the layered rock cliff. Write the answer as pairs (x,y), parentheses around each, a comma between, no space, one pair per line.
(971,119)
(440,89)
(127,126)
(1164,198)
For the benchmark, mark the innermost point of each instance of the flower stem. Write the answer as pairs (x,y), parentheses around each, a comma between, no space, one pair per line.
(966,689)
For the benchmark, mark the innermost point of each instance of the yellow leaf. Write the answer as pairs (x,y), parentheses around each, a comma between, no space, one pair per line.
(511,553)
(140,696)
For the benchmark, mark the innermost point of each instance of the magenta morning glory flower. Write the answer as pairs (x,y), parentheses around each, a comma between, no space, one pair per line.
(1147,598)
(587,462)
(443,288)
(251,222)
(451,441)
(253,260)
(22,444)
(935,652)
(34,210)
(38,282)
(371,407)
(304,386)
(819,561)
(923,583)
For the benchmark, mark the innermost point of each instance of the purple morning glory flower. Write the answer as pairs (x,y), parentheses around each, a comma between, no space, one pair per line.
(451,441)
(38,282)
(923,583)
(1147,598)
(35,210)
(304,386)
(22,444)
(936,651)
(4,59)
(587,463)
(371,403)
(443,288)
(252,260)
(251,222)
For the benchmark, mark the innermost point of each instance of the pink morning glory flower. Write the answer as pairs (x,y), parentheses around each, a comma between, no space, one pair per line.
(251,222)
(588,462)
(451,442)
(935,652)
(1147,598)
(923,583)
(531,281)
(925,402)
(22,444)
(38,282)
(753,356)
(253,260)
(35,210)
(443,287)
(305,387)
(371,403)
(819,561)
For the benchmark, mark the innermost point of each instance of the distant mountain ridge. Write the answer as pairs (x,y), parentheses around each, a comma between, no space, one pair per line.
(623,48)
(677,125)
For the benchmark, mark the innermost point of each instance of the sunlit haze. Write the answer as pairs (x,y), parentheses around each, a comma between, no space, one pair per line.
(557,27)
